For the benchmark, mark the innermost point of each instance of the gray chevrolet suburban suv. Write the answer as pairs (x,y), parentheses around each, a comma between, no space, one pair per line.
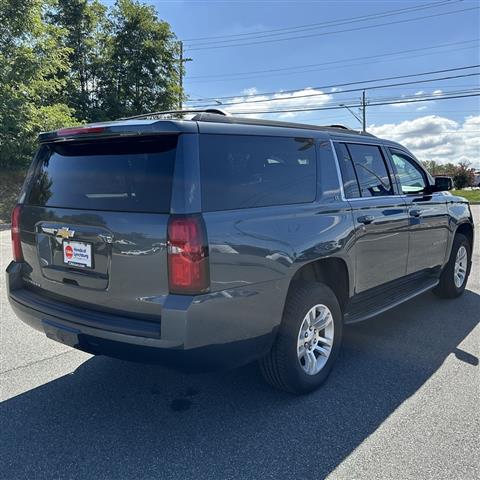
(208,241)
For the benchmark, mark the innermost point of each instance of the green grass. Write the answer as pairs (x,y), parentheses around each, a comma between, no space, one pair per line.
(10,184)
(470,195)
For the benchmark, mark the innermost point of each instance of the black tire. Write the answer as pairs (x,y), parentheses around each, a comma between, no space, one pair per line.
(447,288)
(281,368)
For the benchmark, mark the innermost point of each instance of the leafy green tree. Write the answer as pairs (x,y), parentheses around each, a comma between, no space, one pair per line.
(436,168)
(141,64)
(84,23)
(67,61)
(463,176)
(32,61)
(432,166)
(446,169)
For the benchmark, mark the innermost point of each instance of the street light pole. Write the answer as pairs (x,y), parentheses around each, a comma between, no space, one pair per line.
(363,107)
(351,111)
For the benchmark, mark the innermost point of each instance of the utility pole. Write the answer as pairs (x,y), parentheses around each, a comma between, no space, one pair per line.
(180,96)
(364,113)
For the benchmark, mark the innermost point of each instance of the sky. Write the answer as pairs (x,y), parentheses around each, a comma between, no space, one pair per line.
(329,43)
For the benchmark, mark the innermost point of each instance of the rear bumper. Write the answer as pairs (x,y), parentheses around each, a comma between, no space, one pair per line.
(195,333)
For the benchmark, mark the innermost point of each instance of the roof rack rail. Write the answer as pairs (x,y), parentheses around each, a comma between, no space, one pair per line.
(152,115)
(207,116)
(216,115)
(343,127)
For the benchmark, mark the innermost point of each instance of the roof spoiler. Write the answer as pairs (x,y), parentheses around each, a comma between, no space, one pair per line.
(114,129)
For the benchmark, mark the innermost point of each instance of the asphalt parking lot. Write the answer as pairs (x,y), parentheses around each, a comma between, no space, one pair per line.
(402,403)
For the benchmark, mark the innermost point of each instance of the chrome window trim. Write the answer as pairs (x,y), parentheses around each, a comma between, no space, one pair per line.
(370,198)
(336,140)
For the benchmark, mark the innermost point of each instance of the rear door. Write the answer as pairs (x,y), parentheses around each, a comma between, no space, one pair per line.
(94,222)
(428,214)
(380,214)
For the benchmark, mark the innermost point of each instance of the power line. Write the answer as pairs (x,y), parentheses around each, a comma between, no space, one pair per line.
(299,67)
(437,111)
(425,95)
(338,115)
(337,85)
(366,27)
(311,26)
(287,102)
(375,87)
(468,85)
(372,104)
(403,112)
(290,101)
(352,103)
(387,59)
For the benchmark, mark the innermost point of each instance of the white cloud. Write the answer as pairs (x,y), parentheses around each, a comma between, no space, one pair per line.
(250,91)
(435,93)
(423,107)
(436,138)
(399,104)
(277,101)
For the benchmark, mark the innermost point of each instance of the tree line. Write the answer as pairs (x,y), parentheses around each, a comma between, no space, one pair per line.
(65,62)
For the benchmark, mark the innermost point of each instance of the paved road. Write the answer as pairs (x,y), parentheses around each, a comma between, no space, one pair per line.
(402,403)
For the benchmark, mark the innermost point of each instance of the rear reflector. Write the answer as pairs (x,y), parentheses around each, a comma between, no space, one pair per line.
(16,243)
(188,268)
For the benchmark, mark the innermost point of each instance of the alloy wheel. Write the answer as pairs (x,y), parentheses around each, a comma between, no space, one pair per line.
(315,339)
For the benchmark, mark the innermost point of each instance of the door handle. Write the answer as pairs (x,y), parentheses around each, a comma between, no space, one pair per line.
(415,212)
(365,219)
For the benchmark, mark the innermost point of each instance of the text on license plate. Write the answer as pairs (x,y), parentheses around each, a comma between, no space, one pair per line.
(77,254)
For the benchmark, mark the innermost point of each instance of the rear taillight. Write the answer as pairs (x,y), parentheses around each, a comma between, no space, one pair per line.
(188,269)
(16,243)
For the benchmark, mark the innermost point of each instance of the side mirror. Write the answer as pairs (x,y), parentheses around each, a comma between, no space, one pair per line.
(442,184)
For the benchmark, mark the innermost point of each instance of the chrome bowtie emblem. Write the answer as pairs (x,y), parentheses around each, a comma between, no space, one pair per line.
(65,232)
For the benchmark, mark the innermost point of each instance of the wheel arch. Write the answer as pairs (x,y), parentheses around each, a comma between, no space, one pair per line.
(332,271)
(466,228)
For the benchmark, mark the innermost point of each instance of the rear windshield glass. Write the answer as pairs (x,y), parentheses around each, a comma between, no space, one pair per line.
(242,171)
(132,175)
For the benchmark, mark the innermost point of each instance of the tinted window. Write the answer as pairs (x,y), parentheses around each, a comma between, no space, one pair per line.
(350,182)
(240,171)
(127,175)
(371,170)
(410,175)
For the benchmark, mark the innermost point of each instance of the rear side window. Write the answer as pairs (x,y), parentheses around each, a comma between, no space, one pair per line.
(132,175)
(350,182)
(241,171)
